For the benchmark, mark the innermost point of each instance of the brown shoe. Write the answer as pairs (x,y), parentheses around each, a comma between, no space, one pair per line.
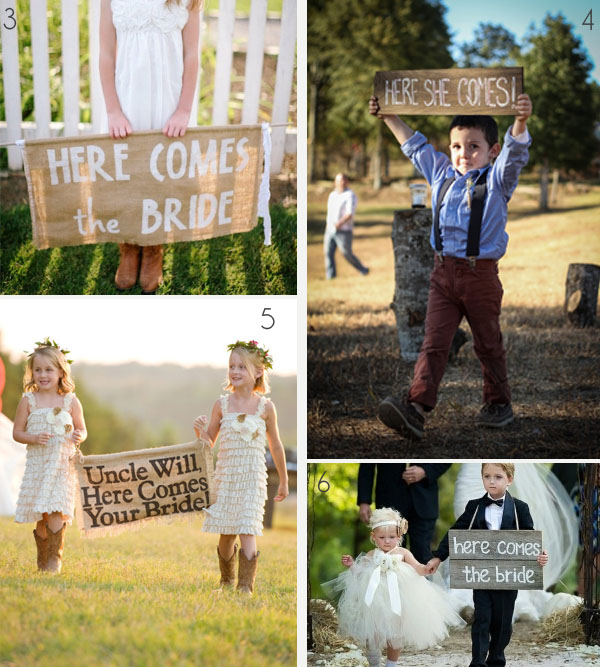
(151,271)
(42,551)
(247,573)
(56,545)
(227,568)
(129,266)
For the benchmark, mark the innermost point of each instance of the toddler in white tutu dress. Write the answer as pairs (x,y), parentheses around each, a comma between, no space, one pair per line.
(385,602)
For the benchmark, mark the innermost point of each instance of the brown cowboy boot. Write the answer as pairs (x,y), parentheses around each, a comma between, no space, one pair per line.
(56,545)
(151,271)
(247,573)
(129,266)
(227,568)
(42,551)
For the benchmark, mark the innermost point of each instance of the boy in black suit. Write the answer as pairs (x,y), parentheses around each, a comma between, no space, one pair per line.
(496,510)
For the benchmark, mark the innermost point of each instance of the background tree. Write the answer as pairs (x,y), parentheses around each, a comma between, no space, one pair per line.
(347,44)
(564,110)
(493,46)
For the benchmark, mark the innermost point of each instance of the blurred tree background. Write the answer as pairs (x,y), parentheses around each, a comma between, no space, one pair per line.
(346,47)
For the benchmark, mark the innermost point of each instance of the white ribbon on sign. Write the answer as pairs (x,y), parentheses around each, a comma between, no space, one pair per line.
(264,193)
(384,562)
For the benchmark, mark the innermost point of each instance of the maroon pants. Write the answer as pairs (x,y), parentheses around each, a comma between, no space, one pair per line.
(457,290)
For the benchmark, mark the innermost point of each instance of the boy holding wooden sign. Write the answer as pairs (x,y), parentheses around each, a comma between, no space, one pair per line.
(496,510)
(470,192)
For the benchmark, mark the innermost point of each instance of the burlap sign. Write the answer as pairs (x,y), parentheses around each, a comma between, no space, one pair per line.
(148,189)
(121,491)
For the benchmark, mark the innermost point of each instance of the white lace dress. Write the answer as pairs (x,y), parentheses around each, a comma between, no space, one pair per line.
(240,474)
(385,602)
(49,482)
(149,67)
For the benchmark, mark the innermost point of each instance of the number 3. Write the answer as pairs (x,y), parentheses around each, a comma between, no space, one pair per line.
(11,16)
(265,314)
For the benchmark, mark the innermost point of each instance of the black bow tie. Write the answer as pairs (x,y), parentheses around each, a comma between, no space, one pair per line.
(489,501)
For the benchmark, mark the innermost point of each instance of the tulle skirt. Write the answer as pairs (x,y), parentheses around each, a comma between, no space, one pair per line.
(426,611)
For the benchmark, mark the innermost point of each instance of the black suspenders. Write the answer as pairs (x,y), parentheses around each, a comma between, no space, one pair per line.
(477,204)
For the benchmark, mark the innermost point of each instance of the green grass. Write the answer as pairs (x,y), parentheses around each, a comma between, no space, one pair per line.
(234,264)
(146,598)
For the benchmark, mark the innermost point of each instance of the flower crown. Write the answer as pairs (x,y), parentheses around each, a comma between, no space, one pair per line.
(252,346)
(49,343)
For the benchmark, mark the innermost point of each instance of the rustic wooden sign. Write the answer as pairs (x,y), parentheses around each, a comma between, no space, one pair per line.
(495,559)
(480,90)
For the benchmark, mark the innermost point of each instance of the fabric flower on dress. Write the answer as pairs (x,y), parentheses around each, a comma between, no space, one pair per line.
(59,419)
(246,428)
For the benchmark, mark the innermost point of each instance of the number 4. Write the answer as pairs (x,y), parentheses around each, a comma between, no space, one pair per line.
(585,21)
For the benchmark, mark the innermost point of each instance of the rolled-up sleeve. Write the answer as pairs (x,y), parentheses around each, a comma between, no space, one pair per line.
(424,156)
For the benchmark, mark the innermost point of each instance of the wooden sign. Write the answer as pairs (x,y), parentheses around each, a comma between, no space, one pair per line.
(495,559)
(491,91)
(145,189)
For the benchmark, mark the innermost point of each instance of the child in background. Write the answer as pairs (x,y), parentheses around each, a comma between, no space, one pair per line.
(50,422)
(496,510)
(148,69)
(469,201)
(385,602)
(244,421)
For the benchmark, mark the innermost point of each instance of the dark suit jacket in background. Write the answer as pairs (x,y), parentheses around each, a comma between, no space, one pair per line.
(392,491)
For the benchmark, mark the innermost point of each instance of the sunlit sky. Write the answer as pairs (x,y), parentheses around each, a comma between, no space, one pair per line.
(152,330)
(464,16)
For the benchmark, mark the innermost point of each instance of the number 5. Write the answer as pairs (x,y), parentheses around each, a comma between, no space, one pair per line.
(265,314)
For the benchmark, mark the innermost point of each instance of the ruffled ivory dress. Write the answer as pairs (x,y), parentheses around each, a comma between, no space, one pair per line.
(49,482)
(384,602)
(240,474)
(149,67)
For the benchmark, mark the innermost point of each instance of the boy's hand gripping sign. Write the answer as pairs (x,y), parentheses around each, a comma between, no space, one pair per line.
(483,91)
(146,188)
(495,559)
(123,490)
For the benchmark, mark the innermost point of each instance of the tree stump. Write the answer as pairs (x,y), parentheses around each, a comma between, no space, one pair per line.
(413,261)
(581,294)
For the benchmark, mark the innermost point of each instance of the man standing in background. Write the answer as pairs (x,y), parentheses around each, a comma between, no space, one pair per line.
(340,221)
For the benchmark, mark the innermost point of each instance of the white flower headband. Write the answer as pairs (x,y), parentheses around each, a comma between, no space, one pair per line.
(401,525)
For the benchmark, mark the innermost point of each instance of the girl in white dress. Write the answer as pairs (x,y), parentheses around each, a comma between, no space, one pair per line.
(245,421)
(386,603)
(50,422)
(148,69)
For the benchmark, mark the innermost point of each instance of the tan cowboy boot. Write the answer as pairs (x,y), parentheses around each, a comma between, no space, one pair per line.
(42,551)
(56,545)
(151,271)
(247,573)
(129,265)
(227,568)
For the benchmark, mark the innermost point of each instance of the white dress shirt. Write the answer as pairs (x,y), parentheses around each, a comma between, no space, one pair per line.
(493,513)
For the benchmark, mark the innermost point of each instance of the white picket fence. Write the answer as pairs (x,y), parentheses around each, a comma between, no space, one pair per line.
(283,139)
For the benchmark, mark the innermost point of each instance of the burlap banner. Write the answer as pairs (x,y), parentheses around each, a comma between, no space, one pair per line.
(120,491)
(146,188)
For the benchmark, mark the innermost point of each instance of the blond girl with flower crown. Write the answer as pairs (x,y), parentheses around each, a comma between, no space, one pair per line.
(50,422)
(245,422)
(386,603)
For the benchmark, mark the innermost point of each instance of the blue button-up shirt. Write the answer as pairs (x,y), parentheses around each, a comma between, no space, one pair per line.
(502,178)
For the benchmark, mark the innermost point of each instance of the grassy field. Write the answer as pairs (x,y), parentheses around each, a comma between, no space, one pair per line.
(554,369)
(234,264)
(146,598)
